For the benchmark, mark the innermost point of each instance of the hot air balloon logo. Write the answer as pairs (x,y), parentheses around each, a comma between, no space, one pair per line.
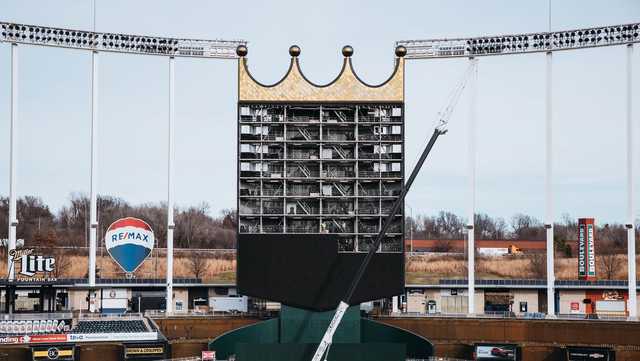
(129,242)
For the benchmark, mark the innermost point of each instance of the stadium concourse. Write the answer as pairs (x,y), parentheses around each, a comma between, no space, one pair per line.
(64,336)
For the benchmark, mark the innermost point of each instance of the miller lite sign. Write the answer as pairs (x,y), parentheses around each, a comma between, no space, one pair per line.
(129,241)
(31,264)
(586,249)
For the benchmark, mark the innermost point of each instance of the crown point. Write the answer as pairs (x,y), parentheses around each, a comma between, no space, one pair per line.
(241,50)
(401,51)
(347,51)
(294,50)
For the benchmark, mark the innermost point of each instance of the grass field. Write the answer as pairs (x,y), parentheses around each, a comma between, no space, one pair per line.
(220,267)
(429,269)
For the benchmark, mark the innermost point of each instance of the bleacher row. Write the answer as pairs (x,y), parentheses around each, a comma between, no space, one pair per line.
(33,327)
(110,326)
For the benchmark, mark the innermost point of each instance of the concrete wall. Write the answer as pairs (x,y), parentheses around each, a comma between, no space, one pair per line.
(78,300)
(447,300)
(567,297)
(479,301)
(539,339)
(181,295)
(205,328)
(528,296)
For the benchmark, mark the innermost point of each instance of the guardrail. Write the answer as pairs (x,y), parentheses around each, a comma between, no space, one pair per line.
(510,315)
(36,316)
(109,316)
(191,313)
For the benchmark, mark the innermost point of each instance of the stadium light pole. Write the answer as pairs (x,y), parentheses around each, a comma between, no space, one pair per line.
(631,237)
(93,217)
(170,161)
(471,248)
(13,219)
(94,171)
(548,178)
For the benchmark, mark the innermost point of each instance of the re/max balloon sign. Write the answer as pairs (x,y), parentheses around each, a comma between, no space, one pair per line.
(129,241)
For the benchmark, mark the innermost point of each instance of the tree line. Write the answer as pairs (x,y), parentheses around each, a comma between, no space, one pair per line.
(446,226)
(195,227)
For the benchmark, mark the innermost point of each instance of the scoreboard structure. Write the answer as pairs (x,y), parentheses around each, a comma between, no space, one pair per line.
(319,169)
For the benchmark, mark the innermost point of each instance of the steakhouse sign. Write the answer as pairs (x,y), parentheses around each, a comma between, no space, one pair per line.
(586,249)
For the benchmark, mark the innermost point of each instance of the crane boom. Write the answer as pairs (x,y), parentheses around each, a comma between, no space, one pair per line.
(440,129)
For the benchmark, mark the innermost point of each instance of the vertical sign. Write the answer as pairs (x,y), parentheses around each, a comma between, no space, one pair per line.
(586,249)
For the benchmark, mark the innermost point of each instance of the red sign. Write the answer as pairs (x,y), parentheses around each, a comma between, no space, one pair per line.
(575,306)
(208,356)
(45,338)
(10,340)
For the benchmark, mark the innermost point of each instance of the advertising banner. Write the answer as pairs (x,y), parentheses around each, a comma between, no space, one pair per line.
(208,356)
(45,338)
(78,337)
(10,340)
(150,351)
(586,249)
(31,267)
(99,337)
(498,352)
(60,353)
(589,353)
(129,241)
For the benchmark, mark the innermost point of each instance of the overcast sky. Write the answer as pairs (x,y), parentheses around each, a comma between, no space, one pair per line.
(589,99)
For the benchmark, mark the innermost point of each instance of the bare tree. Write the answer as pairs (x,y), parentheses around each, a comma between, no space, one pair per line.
(527,227)
(63,264)
(197,264)
(443,245)
(608,247)
(538,265)
(487,227)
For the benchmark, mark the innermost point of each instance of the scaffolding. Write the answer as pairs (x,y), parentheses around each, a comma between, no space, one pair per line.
(328,168)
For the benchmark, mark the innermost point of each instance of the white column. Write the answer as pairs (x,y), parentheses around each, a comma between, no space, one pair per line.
(471,246)
(394,305)
(548,178)
(94,171)
(13,139)
(170,224)
(631,237)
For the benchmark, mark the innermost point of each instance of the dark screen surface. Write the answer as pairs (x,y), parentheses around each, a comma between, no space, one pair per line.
(306,271)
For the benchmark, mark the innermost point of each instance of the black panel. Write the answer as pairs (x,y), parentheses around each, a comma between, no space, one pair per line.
(305,351)
(306,271)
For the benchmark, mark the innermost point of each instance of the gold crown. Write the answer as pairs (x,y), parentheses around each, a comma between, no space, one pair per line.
(295,87)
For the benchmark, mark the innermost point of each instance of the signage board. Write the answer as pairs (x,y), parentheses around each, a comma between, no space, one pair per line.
(100,337)
(495,352)
(29,266)
(589,353)
(79,337)
(586,249)
(129,241)
(575,307)
(53,352)
(144,352)
(208,356)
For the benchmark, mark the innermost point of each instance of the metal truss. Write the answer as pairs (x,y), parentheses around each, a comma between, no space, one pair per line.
(116,42)
(522,43)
